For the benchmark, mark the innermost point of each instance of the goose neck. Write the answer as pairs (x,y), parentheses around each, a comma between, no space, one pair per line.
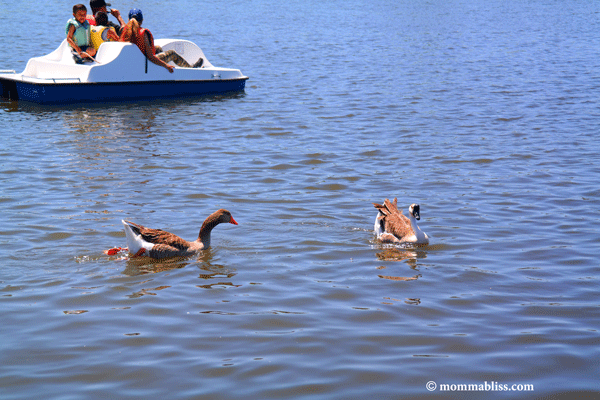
(206,229)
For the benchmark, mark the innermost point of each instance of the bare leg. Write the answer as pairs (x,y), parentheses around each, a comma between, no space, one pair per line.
(171,55)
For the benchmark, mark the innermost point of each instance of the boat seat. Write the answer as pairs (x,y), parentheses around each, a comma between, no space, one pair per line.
(62,54)
(186,49)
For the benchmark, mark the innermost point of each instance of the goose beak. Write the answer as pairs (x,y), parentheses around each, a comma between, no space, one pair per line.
(232,221)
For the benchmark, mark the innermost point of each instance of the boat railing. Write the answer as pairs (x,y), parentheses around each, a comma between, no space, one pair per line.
(7,71)
(53,80)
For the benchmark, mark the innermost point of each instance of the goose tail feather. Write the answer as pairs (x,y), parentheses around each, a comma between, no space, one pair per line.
(134,238)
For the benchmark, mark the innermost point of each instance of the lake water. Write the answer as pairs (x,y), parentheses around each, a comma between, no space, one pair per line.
(483,112)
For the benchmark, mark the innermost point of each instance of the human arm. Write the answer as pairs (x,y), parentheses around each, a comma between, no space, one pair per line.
(115,13)
(152,57)
(126,33)
(112,35)
(71,41)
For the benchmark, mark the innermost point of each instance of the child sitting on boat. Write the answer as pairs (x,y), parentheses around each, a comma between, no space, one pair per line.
(101,32)
(142,37)
(78,35)
(102,6)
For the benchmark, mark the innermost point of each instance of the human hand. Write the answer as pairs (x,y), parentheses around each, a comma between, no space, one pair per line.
(115,13)
(170,68)
(112,35)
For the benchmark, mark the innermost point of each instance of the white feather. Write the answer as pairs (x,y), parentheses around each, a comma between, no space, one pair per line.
(378,227)
(418,236)
(135,242)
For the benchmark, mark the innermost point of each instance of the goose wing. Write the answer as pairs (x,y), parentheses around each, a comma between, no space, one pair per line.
(159,237)
(395,223)
(398,225)
(162,250)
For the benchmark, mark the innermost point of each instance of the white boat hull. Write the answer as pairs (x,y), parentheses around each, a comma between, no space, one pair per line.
(121,72)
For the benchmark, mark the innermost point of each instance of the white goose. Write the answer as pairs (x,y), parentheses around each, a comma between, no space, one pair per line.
(157,243)
(391,226)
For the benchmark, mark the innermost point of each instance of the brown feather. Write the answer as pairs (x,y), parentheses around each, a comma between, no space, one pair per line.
(158,236)
(164,250)
(395,223)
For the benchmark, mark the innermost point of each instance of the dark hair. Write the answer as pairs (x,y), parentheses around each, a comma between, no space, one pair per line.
(79,7)
(97,4)
(101,18)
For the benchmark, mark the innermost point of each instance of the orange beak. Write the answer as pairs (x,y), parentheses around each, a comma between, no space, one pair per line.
(232,221)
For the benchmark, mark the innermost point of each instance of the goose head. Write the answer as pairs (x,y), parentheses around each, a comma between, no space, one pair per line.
(213,220)
(224,216)
(415,211)
(210,222)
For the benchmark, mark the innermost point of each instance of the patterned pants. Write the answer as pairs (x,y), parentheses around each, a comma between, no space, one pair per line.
(171,55)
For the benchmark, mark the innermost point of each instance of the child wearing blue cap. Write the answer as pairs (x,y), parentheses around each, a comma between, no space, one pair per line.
(142,37)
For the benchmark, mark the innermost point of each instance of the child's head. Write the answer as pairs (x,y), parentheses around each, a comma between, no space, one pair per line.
(79,12)
(101,18)
(137,14)
(98,5)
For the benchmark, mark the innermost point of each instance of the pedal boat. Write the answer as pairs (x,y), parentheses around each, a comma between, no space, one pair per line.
(120,72)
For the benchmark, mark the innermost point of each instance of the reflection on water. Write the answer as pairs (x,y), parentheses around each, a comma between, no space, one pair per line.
(147,291)
(214,274)
(400,278)
(409,254)
(409,301)
(211,272)
(146,265)
(394,253)
(103,121)
(43,110)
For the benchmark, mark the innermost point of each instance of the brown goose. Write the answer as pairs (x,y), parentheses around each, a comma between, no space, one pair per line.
(391,226)
(157,243)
